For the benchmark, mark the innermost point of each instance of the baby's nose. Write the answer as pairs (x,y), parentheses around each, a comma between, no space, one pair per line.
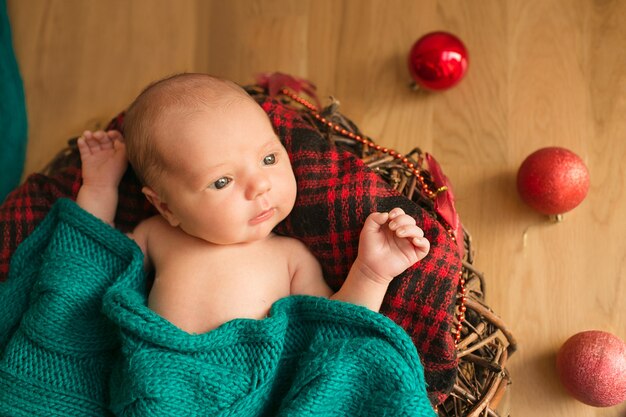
(259,185)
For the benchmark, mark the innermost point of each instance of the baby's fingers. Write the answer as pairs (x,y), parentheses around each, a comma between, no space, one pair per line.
(91,141)
(414,233)
(375,220)
(421,242)
(115,136)
(396,212)
(402,221)
(86,142)
(422,246)
(103,139)
(409,231)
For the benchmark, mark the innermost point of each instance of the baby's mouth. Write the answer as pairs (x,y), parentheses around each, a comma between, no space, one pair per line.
(263,216)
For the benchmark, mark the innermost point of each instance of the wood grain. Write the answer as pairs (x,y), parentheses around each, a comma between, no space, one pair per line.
(542,72)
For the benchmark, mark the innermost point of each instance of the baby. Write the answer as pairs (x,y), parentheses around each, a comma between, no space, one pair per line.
(221,180)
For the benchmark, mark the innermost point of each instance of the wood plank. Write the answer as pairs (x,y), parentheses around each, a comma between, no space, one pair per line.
(542,72)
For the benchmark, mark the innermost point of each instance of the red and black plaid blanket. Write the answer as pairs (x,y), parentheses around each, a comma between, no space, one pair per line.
(336,192)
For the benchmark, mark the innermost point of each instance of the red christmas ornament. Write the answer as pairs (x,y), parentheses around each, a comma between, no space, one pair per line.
(592,367)
(553,180)
(438,61)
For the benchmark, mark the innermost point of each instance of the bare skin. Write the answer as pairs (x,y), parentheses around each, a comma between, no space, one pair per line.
(201,285)
(212,246)
(103,156)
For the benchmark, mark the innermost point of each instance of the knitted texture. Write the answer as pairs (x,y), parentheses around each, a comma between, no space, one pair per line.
(336,191)
(87,314)
(56,347)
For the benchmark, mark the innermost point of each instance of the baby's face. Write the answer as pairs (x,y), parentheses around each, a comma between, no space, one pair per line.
(230,179)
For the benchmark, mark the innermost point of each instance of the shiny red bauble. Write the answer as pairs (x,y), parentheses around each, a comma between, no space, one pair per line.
(553,180)
(592,367)
(438,61)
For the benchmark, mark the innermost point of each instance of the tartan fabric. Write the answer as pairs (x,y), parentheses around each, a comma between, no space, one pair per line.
(336,192)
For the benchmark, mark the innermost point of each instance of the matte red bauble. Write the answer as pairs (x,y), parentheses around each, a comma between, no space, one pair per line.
(592,367)
(553,180)
(438,60)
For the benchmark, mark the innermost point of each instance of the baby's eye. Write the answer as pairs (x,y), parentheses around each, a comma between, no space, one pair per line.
(269,159)
(220,183)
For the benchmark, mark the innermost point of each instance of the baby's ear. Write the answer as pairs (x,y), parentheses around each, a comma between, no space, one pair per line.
(160,205)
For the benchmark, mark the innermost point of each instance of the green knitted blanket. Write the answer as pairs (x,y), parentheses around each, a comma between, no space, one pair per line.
(76,339)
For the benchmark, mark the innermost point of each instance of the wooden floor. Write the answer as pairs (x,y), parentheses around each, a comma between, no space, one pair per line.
(542,72)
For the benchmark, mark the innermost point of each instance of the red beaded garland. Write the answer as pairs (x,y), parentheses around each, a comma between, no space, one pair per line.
(462,309)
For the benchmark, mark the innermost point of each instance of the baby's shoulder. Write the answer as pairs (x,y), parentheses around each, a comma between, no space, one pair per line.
(286,242)
(152,231)
(155,226)
(291,247)
(152,222)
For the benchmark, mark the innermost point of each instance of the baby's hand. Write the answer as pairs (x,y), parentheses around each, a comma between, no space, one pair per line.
(103,156)
(391,242)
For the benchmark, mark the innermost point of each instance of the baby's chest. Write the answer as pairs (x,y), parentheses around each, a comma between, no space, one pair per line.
(261,271)
(221,288)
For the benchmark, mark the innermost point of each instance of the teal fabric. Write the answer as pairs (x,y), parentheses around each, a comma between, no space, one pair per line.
(78,339)
(13,123)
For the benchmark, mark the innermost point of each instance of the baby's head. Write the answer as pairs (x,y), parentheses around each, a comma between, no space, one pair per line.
(209,158)
(148,121)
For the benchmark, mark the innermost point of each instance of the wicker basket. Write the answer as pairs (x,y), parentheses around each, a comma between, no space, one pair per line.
(485,343)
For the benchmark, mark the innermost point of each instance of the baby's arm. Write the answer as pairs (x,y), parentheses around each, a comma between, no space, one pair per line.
(389,244)
(141,234)
(103,157)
